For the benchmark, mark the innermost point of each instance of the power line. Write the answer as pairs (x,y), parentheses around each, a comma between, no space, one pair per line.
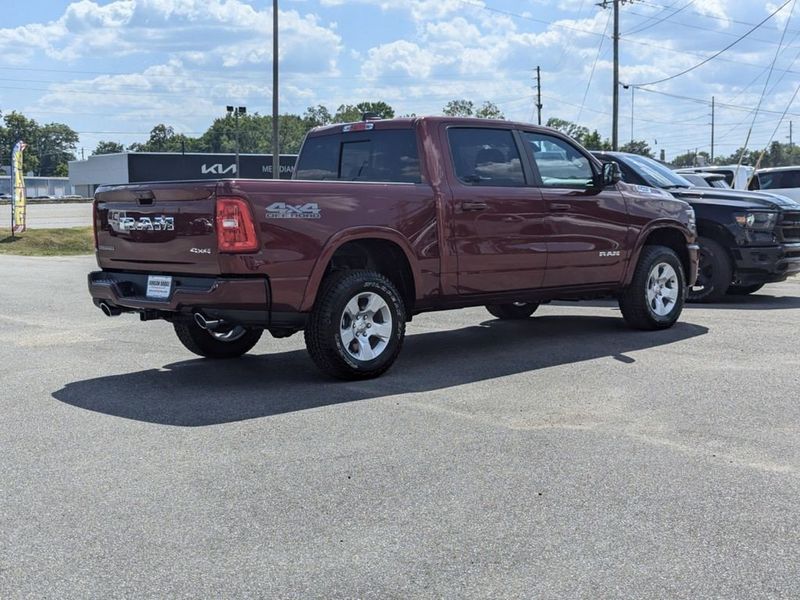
(594,66)
(708,102)
(713,56)
(766,83)
(698,27)
(726,19)
(661,20)
(774,85)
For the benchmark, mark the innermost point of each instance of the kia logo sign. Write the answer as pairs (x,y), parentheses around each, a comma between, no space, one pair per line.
(217,169)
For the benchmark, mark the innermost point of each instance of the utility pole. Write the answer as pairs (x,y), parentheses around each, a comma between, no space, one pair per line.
(615,108)
(615,111)
(712,129)
(539,94)
(791,141)
(276,164)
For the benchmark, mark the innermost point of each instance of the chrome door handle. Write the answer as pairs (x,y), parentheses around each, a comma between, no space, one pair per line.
(560,207)
(474,205)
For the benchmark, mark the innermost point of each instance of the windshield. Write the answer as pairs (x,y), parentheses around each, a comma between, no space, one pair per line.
(654,173)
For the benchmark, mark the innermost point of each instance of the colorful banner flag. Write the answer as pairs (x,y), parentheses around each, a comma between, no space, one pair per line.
(18,212)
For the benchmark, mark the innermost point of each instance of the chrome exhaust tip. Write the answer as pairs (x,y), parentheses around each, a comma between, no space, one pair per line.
(110,311)
(207,324)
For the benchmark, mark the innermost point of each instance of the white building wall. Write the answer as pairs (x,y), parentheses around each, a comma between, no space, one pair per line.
(98,169)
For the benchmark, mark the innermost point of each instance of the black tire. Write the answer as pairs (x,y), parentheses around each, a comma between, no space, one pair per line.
(714,275)
(744,290)
(511,312)
(637,309)
(330,324)
(204,343)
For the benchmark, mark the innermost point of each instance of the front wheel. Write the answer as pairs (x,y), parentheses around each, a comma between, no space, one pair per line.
(714,274)
(655,297)
(357,326)
(513,311)
(230,343)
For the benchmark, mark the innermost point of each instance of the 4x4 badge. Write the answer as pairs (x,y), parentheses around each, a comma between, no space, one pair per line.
(281,210)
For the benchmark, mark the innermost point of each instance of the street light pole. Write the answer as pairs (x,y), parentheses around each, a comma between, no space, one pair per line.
(633,96)
(276,165)
(236,111)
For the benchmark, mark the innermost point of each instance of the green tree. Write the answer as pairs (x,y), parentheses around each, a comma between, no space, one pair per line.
(316,116)
(349,113)
(459,108)
(164,139)
(691,159)
(637,147)
(54,144)
(573,130)
(383,110)
(776,156)
(104,147)
(255,134)
(489,110)
(18,127)
(591,140)
(161,137)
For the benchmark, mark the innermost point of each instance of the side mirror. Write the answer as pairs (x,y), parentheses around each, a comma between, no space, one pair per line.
(610,175)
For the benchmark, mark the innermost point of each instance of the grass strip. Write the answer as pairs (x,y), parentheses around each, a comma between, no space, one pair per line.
(69,241)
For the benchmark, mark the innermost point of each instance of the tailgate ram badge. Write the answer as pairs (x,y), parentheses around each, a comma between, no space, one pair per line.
(122,223)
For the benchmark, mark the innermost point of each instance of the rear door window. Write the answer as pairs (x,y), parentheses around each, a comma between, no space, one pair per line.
(384,155)
(486,157)
(779,179)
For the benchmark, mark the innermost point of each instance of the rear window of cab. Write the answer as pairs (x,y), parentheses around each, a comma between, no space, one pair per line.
(382,155)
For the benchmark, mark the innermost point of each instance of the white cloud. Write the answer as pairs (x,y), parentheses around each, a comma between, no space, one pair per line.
(232,30)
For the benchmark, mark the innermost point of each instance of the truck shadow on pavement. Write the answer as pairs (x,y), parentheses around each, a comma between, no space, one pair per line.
(751,302)
(200,392)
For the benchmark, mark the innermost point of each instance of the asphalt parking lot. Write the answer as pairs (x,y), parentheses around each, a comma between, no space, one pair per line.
(565,456)
(43,216)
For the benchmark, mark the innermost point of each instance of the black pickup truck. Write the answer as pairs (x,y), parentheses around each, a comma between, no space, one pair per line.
(746,239)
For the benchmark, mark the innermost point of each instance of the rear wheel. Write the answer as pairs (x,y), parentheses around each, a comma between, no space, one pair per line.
(655,297)
(357,326)
(714,273)
(744,290)
(229,343)
(513,311)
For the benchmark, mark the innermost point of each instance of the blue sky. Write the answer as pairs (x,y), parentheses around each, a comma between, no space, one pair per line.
(113,69)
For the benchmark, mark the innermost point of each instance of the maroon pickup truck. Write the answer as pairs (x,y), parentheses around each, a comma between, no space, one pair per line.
(385,220)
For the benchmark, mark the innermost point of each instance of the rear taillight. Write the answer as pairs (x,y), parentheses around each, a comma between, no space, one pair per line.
(95,222)
(236,231)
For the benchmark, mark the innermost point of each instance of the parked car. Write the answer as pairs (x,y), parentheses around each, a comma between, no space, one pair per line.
(386,220)
(716,180)
(778,180)
(737,176)
(746,239)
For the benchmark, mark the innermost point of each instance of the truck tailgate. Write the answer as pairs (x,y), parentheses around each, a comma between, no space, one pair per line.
(157,227)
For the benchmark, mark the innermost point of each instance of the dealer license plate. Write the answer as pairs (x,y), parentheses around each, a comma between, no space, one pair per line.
(159,286)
